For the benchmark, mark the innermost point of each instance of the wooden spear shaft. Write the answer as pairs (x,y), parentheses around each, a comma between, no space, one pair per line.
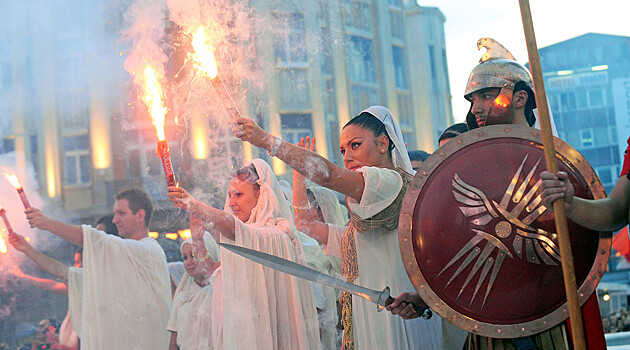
(568,270)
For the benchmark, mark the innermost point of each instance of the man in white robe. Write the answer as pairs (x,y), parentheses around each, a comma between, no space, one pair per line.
(124,296)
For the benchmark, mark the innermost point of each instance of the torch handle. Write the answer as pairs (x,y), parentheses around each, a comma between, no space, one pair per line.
(568,270)
(225,96)
(23,198)
(164,153)
(6,221)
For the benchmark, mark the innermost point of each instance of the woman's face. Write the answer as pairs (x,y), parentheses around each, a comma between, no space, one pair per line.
(189,263)
(359,147)
(243,197)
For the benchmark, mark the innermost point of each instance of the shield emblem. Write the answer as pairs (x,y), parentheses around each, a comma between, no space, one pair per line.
(479,246)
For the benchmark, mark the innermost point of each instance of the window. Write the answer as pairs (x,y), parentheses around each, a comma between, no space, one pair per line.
(289,39)
(325,52)
(294,88)
(605,175)
(357,14)
(405,114)
(396,20)
(596,98)
(362,97)
(7,145)
(360,59)
(399,67)
(77,163)
(567,101)
(295,126)
(586,138)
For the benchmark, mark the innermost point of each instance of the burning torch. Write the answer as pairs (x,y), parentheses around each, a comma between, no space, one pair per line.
(153,99)
(15,183)
(206,64)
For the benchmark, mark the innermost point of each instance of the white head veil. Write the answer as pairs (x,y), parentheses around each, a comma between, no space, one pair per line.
(187,287)
(333,212)
(399,153)
(287,190)
(269,211)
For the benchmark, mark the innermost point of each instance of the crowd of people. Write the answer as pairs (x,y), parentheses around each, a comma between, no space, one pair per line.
(123,295)
(618,321)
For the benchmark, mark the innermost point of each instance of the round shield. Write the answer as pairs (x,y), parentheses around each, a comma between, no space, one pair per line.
(479,246)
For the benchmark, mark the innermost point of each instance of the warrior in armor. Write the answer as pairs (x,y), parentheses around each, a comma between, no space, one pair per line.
(501,92)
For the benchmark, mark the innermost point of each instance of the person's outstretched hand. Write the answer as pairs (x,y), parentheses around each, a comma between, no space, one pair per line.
(180,197)
(247,130)
(37,219)
(18,242)
(554,187)
(196,227)
(307,142)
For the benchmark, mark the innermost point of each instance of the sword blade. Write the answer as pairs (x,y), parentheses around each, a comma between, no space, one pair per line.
(301,271)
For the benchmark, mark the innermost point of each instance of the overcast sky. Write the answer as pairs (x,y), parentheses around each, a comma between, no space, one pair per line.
(554,21)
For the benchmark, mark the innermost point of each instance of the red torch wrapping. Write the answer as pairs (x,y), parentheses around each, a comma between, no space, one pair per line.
(25,201)
(228,103)
(3,213)
(164,153)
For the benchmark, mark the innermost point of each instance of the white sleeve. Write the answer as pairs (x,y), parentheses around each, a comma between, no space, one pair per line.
(381,189)
(333,246)
(75,295)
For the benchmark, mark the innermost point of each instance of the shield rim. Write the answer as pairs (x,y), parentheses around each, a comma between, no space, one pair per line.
(462,321)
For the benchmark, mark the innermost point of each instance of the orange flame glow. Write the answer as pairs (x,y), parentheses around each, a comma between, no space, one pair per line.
(153,99)
(154,234)
(502,101)
(3,247)
(203,54)
(13,180)
(172,236)
(184,234)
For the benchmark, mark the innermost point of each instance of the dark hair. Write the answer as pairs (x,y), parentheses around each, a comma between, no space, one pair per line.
(247,174)
(108,221)
(453,131)
(418,155)
(530,104)
(369,122)
(138,199)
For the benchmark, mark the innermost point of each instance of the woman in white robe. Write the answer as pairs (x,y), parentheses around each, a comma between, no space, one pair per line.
(263,308)
(377,171)
(193,323)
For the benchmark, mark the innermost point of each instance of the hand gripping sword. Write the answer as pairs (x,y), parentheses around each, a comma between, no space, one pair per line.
(381,299)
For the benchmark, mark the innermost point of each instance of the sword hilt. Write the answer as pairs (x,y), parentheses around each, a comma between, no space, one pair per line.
(425,312)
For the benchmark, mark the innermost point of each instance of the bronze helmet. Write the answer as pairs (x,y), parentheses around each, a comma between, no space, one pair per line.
(497,69)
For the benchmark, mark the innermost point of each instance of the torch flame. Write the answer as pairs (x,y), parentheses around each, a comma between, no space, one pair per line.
(203,55)
(13,180)
(153,99)
(3,247)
